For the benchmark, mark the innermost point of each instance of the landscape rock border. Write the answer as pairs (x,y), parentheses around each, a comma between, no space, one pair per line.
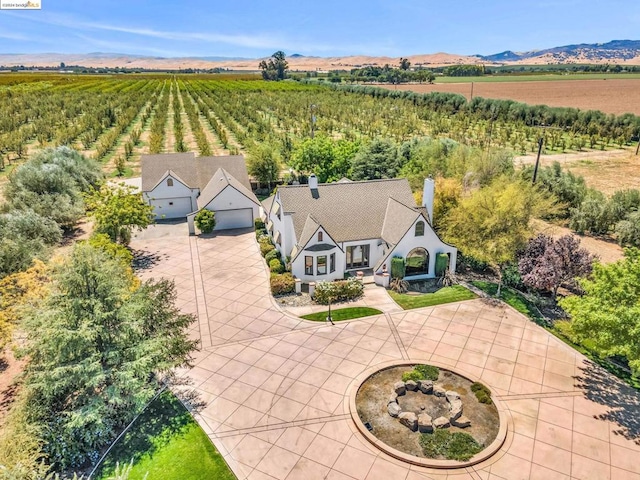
(506,423)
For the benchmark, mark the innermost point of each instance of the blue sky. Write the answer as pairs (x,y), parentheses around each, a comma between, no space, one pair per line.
(241,28)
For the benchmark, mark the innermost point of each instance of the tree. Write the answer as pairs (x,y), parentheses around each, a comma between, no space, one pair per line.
(404,64)
(274,68)
(379,159)
(448,192)
(205,220)
(628,230)
(98,346)
(328,159)
(264,164)
(494,223)
(118,210)
(548,263)
(608,314)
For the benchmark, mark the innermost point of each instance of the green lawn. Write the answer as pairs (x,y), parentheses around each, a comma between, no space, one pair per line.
(167,443)
(444,295)
(510,297)
(343,314)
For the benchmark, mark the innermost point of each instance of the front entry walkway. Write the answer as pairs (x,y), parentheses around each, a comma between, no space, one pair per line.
(274,388)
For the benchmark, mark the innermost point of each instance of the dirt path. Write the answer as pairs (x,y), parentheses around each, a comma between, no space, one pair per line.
(169,138)
(607,250)
(188,136)
(212,138)
(10,368)
(571,157)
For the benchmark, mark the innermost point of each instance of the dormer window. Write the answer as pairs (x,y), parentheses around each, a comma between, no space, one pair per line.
(169,182)
(420,229)
(320,236)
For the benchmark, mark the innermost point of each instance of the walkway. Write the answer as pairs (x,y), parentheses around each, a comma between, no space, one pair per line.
(273,387)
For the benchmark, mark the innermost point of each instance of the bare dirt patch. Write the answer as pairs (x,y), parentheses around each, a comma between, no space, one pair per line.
(373,395)
(610,96)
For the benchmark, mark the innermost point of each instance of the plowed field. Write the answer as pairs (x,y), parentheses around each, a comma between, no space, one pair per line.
(611,96)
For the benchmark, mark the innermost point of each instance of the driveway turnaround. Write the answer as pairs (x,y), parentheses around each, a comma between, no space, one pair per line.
(274,389)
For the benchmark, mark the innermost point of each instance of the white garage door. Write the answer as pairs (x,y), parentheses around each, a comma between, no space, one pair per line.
(171,207)
(226,219)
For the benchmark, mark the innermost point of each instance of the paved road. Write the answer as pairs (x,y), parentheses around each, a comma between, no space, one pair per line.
(273,388)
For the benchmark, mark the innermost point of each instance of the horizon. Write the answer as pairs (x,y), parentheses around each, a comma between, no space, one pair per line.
(335,30)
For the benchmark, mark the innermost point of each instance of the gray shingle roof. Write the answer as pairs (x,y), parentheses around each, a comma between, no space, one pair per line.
(220,180)
(196,172)
(347,211)
(397,220)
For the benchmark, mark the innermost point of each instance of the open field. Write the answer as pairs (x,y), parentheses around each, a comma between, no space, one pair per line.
(539,77)
(612,95)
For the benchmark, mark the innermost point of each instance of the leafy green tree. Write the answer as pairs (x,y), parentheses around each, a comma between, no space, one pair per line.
(264,163)
(570,189)
(328,159)
(404,64)
(118,210)
(274,68)
(608,314)
(593,214)
(205,220)
(494,223)
(379,159)
(97,347)
(628,230)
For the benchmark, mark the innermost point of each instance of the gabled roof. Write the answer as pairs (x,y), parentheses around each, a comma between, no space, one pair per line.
(220,180)
(347,211)
(195,172)
(172,174)
(397,220)
(266,204)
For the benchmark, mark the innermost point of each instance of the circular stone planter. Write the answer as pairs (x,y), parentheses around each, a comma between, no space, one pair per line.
(486,453)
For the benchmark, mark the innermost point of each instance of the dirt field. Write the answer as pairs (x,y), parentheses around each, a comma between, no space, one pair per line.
(610,96)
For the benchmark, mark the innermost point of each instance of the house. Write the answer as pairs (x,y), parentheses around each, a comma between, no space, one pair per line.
(331,229)
(179,185)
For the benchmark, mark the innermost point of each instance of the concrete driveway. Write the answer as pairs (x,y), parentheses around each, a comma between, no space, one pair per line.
(273,387)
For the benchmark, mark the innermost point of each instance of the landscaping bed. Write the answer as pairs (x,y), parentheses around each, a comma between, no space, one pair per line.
(343,314)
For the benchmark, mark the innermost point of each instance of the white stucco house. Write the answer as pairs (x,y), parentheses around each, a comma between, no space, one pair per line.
(330,229)
(179,185)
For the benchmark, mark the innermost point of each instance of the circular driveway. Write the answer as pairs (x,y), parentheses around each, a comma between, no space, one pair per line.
(274,389)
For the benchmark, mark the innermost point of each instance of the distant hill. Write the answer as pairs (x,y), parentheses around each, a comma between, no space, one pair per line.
(615,52)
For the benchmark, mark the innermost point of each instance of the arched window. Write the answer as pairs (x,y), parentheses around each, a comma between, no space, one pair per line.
(420,229)
(417,262)
(169,182)
(320,236)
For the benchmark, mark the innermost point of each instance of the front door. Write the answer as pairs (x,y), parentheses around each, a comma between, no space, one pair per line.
(357,256)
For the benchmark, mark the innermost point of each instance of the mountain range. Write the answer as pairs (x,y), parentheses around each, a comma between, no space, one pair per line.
(622,52)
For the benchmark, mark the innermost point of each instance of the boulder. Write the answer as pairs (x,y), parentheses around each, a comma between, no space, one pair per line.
(461,422)
(411,385)
(425,386)
(455,409)
(452,395)
(399,388)
(441,422)
(438,391)
(394,409)
(425,424)
(393,398)
(409,420)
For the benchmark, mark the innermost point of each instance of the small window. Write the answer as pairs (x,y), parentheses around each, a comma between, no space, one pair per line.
(320,236)
(420,229)
(308,265)
(322,265)
(169,182)
(332,263)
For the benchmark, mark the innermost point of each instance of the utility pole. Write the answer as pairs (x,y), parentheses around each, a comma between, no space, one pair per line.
(313,119)
(535,170)
(471,92)
(638,147)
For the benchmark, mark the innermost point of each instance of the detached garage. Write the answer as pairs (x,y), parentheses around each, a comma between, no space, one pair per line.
(228,219)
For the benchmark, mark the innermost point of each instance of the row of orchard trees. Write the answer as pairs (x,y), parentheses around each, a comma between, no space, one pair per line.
(97,342)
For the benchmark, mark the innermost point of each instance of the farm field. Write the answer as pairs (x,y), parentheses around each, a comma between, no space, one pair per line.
(610,95)
(115,119)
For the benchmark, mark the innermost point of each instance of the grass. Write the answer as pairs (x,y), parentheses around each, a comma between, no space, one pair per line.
(511,297)
(343,314)
(167,443)
(455,293)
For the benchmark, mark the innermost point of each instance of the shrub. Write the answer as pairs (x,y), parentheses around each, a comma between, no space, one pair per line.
(428,372)
(261,232)
(276,266)
(397,267)
(258,224)
(265,248)
(482,392)
(205,220)
(271,255)
(412,375)
(442,263)
(339,291)
(399,285)
(452,446)
(282,283)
